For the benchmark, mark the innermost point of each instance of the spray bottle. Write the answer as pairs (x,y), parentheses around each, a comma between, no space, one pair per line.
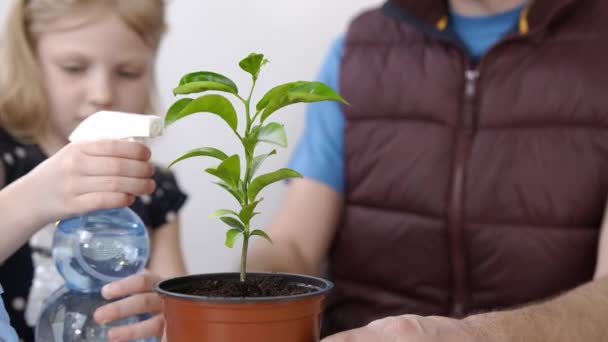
(95,249)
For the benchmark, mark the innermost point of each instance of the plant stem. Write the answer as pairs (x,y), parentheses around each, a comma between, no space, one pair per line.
(248,157)
(247,176)
(244,256)
(239,97)
(237,134)
(256,115)
(247,111)
(246,180)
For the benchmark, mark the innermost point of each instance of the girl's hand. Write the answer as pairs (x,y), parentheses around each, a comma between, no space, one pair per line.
(92,175)
(141,299)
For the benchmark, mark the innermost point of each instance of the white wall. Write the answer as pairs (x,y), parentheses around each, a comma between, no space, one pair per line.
(215,35)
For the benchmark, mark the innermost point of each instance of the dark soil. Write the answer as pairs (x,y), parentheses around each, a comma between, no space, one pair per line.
(268,286)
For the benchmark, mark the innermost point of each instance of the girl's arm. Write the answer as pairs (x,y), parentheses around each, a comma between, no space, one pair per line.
(20,218)
(79,178)
(166,257)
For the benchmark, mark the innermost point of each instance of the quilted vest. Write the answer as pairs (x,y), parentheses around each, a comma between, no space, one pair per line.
(470,185)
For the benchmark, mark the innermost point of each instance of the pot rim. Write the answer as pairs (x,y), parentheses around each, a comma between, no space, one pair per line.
(299,278)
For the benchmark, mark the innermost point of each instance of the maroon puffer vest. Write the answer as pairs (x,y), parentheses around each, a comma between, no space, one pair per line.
(469,187)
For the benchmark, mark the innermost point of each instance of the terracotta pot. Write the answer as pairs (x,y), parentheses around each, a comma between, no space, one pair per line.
(294,318)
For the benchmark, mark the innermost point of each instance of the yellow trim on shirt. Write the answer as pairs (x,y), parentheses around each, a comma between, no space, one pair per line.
(524,27)
(442,23)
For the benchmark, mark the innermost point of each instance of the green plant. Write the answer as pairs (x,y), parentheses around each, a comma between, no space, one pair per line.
(243,186)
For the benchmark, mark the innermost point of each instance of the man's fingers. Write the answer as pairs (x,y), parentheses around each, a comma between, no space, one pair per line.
(152,327)
(138,283)
(363,334)
(130,306)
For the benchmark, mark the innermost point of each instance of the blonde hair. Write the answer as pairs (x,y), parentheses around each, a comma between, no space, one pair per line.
(23,102)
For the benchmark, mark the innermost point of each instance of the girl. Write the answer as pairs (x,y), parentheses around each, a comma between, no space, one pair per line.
(63,60)
(7,333)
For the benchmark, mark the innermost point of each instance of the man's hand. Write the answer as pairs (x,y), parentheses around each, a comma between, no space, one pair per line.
(141,299)
(408,328)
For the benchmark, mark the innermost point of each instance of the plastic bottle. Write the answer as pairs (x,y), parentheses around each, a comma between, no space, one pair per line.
(95,249)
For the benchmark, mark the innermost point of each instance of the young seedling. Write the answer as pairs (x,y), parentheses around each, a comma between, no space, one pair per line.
(237,179)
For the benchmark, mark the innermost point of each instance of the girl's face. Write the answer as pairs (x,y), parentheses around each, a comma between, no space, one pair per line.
(91,62)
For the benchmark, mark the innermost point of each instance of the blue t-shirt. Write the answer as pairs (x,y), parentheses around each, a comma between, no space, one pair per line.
(319,154)
(7,333)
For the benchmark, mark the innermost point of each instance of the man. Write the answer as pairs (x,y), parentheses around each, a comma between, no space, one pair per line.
(468,174)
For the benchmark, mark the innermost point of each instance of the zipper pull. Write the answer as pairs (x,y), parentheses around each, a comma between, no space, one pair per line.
(471,77)
(470,96)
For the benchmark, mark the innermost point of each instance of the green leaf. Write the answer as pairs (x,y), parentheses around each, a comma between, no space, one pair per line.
(223,212)
(201,152)
(314,92)
(236,194)
(303,92)
(229,171)
(175,109)
(232,222)
(208,76)
(231,236)
(262,181)
(262,234)
(242,187)
(201,86)
(273,133)
(247,213)
(253,63)
(251,140)
(257,162)
(276,92)
(214,104)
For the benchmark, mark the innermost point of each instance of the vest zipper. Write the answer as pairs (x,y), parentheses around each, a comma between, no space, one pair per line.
(465,132)
(470,97)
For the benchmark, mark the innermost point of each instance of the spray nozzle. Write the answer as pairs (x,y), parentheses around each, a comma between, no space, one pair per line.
(117,125)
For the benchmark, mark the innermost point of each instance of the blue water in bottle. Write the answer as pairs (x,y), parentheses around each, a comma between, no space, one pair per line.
(68,316)
(96,249)
(89,252)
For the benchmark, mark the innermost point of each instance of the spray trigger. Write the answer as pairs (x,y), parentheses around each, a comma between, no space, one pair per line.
(117,125)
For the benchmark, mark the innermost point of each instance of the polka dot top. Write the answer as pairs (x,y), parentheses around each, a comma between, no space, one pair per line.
(17,272)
